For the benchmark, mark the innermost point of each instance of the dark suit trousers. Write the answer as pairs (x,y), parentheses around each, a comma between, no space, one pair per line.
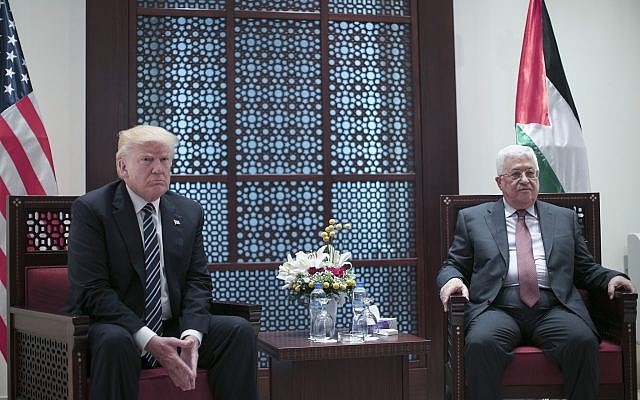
(563,337)
(228,352)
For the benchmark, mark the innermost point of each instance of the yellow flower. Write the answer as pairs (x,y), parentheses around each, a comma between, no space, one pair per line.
(329,228)
(338,227)
(311,284)
(351,282)
(347,226)
(296,288)
(325,285)
(336,285)
(332,221)
(332,234)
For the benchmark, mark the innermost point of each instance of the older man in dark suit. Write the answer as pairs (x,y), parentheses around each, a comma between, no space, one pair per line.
(137,267)
(519,261)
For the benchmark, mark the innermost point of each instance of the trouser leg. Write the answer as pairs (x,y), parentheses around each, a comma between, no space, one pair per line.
(115,363)
(568,341)
(489,343)
(229,354)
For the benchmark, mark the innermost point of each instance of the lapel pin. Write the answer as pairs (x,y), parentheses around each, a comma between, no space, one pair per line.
(176,222)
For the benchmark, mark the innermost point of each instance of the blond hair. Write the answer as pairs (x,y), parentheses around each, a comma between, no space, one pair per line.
(141,134)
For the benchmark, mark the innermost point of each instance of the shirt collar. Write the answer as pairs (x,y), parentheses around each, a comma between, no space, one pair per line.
(139,202)
(509,210)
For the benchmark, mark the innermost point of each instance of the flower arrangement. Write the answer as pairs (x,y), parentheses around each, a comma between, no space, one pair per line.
(326,265)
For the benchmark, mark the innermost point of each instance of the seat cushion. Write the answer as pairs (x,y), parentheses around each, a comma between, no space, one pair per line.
(46,288)
(156,384)
(529,359)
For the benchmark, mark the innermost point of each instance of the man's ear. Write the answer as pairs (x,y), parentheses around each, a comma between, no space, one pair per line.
(121,167)
(499,182)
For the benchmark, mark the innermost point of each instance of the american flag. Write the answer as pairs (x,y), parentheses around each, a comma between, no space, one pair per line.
(26,165)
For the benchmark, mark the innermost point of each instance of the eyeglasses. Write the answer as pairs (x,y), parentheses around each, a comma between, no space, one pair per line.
(516,175)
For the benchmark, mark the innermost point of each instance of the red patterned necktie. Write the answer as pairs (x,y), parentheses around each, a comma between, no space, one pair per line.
(529,292)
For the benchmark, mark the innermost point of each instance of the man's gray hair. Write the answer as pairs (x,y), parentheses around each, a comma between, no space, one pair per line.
(514,151)
(142,134)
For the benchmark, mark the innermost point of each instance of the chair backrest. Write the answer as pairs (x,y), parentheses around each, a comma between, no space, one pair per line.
(586,205)
(37,258)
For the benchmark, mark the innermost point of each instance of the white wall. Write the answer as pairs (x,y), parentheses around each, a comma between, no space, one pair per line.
(52,35)
(598,43)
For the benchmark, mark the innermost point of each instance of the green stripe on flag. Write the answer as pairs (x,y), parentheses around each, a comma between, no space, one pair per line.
(549,182)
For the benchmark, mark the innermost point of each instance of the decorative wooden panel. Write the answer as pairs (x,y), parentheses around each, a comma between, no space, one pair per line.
(289,113)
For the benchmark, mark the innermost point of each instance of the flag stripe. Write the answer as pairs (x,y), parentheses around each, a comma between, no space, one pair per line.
(20,159)
(4,192)
(549,182)
(32,146)
(553,62)
(531,98)
(3,339)
(9,173)
(32,117)
(3,261)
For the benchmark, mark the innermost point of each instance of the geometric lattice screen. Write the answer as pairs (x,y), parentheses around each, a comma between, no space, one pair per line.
(285,120)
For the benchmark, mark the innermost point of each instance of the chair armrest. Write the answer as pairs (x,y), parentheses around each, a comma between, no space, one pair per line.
(614,318)
(455,346)
(48,352)
(616,322)
(250,312)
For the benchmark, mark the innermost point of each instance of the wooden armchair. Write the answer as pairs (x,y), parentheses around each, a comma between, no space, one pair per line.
(530,374)
(47,350)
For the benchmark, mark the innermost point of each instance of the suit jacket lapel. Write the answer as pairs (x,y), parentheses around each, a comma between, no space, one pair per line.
(498,228)
(547,223)
(127,222)
(172,242)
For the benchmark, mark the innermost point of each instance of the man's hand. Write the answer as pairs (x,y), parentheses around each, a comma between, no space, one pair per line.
(453,285)
(189,354)
(622,283)
(165,350)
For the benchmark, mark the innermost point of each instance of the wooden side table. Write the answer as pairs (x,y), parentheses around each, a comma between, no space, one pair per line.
(301,369)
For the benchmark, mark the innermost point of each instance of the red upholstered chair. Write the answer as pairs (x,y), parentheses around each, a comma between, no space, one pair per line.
(531,375)
(48,349)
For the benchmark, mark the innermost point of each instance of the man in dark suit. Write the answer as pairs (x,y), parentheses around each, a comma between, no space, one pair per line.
(148,303)
(510,304)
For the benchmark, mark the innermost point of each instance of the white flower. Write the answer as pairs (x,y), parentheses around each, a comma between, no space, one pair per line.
(326,266)
(303,261)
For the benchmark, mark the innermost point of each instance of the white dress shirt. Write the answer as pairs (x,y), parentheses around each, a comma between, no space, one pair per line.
(533,223)
(144,334)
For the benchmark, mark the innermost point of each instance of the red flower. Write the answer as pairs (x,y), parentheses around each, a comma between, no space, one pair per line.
(313,270)
(336,271)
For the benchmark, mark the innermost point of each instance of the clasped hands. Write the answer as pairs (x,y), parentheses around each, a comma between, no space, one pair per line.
(455,285)
(182,366)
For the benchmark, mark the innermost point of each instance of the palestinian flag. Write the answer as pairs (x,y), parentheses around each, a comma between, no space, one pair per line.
(546,117)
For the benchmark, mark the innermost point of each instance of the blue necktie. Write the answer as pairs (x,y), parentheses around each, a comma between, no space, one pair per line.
(153,308)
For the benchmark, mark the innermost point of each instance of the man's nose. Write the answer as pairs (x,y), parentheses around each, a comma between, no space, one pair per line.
(156,167)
